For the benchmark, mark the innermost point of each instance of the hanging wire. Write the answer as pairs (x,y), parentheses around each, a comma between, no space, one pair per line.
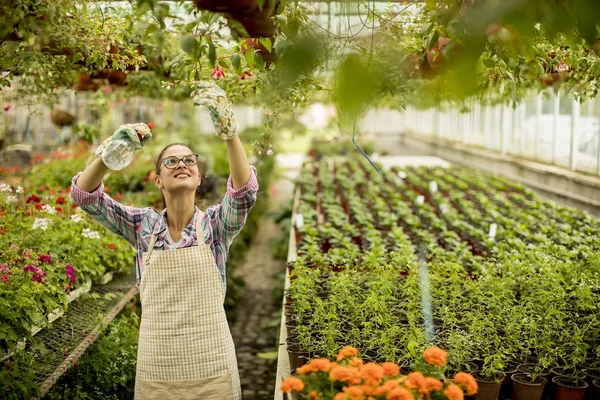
(356,116)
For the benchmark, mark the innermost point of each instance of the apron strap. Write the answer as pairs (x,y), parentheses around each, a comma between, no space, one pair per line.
(199,236)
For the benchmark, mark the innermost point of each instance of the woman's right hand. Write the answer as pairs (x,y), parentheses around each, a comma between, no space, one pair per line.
(139,134)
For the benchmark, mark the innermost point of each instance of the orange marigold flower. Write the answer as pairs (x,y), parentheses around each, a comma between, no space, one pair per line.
(390,369)
(357,362)
(399,394)
(345,374)
(416,380)
(292,383)
(435,356)
(313,396)
(467,382)
(453,392)
(372,372)
(354,392)
(305,369)
(387,387)
(320,364)
(433,384)
(347,351)
(340,396)
(369,388)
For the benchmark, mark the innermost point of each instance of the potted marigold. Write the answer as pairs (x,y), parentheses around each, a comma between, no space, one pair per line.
(350,378)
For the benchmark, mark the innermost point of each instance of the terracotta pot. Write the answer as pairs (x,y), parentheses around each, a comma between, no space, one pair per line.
(526,389)
(568,388)
(254,43)
(435,58)
(61,117)
(488,389)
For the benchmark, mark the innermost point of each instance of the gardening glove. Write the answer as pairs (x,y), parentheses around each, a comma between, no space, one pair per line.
(214,98)
(138,134)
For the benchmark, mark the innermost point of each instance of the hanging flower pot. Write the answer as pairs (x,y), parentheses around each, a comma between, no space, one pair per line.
(527,388)
(61,117)
(247,12)
(85,83)
(569,388)
(435,56)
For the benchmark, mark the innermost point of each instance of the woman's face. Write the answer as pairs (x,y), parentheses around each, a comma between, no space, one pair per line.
(181,177)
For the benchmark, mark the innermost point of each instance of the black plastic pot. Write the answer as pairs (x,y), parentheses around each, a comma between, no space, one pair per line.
(506,389)
(568,388)
(596,388)
(525,388)
(488,389)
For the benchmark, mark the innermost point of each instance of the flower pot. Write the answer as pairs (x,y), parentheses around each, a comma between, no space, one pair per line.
(527,389)
(506,388)
(570,373)
(61,117)
(255,21)
(85,83)
(488,389)
(568,388)
(297,355)
(595,389)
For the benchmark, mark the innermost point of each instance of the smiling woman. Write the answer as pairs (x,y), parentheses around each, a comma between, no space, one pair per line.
(182,250)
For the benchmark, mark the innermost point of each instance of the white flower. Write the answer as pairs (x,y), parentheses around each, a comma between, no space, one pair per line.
(19,189)
(49,209)
(87,232)
(11,199)
(41,223)
(76,218)
(5,188)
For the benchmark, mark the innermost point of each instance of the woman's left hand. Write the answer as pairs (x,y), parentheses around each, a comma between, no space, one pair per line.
(214,98)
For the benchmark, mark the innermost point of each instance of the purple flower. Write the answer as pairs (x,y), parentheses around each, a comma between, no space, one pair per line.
(70,271)
(30,268)
(45,258)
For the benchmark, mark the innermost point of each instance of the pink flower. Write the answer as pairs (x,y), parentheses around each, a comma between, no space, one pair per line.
(7,107)
(45,258)
(4,278)
(217,73)
(70,272)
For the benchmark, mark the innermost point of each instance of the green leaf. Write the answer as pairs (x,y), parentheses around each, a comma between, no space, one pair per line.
(261,3)
(489,63)
(426,29)
(236,62)
(77,57)
(249,55)
(212,53)
(433,40)
(187,42)
(267,43)
(258,61)
(270,355)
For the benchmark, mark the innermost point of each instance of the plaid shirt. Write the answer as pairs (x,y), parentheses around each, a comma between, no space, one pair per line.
(221,223)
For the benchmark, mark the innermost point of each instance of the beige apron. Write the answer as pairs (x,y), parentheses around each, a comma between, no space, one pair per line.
(185,351)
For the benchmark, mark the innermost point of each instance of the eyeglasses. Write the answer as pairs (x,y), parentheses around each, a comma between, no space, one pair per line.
(173,162)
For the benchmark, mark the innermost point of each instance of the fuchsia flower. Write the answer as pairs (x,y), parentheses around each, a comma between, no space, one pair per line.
(26,254)
(7,107)
(37,274)
(45,258)
(4,278)
(70,271)
(6,273)
(217,73)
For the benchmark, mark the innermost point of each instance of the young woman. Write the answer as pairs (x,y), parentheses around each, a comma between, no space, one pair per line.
(185,350)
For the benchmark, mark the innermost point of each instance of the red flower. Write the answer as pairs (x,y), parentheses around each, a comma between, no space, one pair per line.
(245,75)
(73,206)
(59,209)
(217,73)
(60,200)
(42,188)
(39,206)
(111,246)
(150,125)
(33,198)
(107,189)
(7,107)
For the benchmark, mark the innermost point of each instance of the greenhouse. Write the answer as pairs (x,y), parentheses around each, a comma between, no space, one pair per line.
(300,200)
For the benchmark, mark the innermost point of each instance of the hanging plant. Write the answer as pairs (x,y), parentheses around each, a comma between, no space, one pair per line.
(61,117)
(253,15)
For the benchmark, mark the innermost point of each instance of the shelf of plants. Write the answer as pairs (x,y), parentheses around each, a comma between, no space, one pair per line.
(506,282)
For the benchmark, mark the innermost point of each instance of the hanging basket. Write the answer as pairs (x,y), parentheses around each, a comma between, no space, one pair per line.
(257,22)
(61,117)
(85,83)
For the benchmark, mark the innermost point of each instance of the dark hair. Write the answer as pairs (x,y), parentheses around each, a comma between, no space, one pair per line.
(158,164)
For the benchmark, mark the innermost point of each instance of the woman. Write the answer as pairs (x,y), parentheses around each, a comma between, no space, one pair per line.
(185,350)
